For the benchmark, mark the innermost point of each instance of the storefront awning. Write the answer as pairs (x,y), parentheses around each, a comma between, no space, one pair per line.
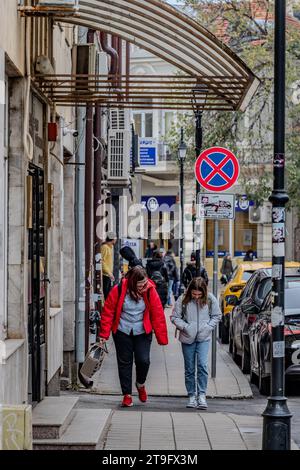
(176,38)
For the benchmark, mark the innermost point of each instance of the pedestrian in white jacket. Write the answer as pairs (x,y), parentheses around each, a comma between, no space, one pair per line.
(195,315)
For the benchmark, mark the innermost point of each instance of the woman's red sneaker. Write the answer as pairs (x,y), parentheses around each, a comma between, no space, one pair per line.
(127,400)
(142,393)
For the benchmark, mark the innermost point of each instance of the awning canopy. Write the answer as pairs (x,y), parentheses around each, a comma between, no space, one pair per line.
(171,35)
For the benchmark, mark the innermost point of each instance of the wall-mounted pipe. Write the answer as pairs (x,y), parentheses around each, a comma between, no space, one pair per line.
(98,158)
(88,209)
(127,69)
(110,51)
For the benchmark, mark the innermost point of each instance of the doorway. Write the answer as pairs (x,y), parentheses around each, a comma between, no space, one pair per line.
(36,284)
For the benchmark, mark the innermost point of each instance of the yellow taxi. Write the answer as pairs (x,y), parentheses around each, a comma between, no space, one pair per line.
(242,272)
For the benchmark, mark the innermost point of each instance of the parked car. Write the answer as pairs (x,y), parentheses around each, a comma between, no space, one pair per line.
(248,306)
(234,287)
(260,339)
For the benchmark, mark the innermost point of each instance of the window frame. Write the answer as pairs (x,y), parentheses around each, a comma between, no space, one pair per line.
(143,122)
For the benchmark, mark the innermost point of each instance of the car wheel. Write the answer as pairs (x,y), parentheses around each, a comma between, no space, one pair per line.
(245,361)
(263,383)
(224,332)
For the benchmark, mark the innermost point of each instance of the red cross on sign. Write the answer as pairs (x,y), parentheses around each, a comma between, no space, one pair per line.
(217,169)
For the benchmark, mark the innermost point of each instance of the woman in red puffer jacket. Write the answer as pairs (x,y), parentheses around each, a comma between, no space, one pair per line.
(131,315)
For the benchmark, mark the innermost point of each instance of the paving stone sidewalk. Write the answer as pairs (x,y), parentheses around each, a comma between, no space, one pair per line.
(166,374)
(131,430)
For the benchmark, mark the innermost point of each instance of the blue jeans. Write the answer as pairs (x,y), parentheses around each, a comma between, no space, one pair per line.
(196,353)
(170,290)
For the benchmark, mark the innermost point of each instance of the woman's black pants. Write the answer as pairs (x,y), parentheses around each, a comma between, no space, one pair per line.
(127,348)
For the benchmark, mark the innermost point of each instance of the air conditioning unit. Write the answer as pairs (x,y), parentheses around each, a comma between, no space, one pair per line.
(84,58)
(119,119)
(261,214)
(119,146)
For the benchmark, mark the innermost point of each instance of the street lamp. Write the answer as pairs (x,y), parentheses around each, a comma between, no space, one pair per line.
(182,149)
(277,417)
(198,102)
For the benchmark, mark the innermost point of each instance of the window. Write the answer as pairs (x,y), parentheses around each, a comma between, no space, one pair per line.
(223,237)
(138,124)
(168,121)
(148,125)
(143,124)
(245,234)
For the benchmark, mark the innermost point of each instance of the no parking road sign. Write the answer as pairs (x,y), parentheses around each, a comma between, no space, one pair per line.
(217,169)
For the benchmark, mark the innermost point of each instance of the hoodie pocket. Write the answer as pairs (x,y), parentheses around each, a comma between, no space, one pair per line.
(190,331)
(204,333)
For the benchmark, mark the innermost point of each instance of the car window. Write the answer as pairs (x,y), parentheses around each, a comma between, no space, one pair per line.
(249,286)
(292,298)
(292,281)
(266,305)
(263,289)
(247,275)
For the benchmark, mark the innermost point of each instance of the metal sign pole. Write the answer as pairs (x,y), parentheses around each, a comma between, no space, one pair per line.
(215,292)
(277,417)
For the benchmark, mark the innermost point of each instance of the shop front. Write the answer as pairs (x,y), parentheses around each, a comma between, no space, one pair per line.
(160,222)
(235,236)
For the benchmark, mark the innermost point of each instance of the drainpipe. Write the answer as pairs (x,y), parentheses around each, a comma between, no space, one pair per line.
(110,51)
(98,157)
(88,209)
(79,238)
(127,68)
(120,50)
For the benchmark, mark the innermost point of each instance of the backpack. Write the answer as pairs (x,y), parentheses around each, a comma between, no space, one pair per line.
(171,266)
(161,286)
(187,276)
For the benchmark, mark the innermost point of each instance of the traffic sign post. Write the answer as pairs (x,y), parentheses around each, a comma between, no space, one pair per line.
(216,169)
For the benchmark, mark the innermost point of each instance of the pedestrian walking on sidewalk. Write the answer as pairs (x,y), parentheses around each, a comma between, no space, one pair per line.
(108,262)
(170,264)
(195,315)
(226,269)
(132,310)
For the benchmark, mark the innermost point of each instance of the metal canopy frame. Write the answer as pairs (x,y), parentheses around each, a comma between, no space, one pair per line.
(169,34)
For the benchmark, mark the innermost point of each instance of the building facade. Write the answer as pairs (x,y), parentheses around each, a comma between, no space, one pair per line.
(34,209)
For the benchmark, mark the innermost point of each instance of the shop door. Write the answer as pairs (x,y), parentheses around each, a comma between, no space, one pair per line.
(36,285)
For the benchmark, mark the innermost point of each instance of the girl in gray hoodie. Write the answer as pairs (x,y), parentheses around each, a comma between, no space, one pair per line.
(195,315)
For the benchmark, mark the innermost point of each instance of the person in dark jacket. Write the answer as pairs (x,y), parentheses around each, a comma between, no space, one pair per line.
(190,272)
(249,256)
(227,267)
(150,250)
(172,273)
(157,272)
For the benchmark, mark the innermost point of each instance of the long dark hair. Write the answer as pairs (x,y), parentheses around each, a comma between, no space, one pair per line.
(199,284)
(133,276)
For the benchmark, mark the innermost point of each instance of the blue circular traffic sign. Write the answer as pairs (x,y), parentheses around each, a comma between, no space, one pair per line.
(217,169)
